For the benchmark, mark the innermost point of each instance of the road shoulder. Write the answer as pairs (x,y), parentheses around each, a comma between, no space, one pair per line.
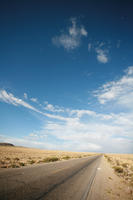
(107,185)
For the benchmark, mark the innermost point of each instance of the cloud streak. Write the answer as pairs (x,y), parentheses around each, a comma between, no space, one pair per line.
(11,99)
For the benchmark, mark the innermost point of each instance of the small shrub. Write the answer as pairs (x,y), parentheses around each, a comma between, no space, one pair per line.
(131,183)
(125,173)
(87,155)
(3,166)
(109,191)
(125,165)
(22,164)
(117,162)
(109,159)
(131,175)
(7,158)
(50,159)
(2,162)
(13,165)
(131,168)
(80,157)
(17,159)
(39,161)
(66,157)
(118,169)
(31,162)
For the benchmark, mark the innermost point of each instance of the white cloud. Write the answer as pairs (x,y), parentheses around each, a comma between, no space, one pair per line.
(49,107)
(11,99)
(73,29)
(72,39)
(34,100)
(101,49)
(120,91)
(28,142)
(108,144)
(89,46)
(129,70)
(45,102)
(52,108)
(102,56)
(25,96)
(47,145)
(68,42)
(33,135)
(80,113)
(99,134)
(83,31)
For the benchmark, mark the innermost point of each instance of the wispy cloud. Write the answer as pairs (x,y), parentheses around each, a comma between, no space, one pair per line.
(11,99)
(52,108)
(89,47)
(102,55)
(80,113)
(27,142)
(101,49)
(72,38)
(120,91)
(25,96)
(98,132)
(34,100)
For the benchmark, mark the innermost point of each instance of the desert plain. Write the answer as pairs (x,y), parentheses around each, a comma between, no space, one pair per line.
(15,157)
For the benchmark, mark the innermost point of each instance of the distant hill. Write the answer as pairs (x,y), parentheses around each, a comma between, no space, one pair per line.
(6,144)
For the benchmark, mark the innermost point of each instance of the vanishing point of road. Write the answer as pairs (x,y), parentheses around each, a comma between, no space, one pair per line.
(62,180)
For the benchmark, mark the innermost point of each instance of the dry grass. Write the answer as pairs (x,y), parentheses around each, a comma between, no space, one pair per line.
(14,157)
(122,165)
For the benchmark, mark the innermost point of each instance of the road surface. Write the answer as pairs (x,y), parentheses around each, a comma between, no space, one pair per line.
(64,180)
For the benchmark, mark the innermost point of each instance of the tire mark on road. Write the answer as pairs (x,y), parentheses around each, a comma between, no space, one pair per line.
(66,179)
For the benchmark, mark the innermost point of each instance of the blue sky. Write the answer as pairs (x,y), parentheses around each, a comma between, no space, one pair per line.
(66,75)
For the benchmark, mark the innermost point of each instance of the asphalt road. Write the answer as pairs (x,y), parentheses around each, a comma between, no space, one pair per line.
(64,180)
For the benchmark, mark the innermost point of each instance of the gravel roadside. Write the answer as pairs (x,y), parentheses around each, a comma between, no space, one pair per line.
(108,186)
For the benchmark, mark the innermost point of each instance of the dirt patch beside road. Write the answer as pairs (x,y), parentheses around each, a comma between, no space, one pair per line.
(108,186)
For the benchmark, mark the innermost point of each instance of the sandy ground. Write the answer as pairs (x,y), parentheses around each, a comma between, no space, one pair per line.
(108,186)
(122,165)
